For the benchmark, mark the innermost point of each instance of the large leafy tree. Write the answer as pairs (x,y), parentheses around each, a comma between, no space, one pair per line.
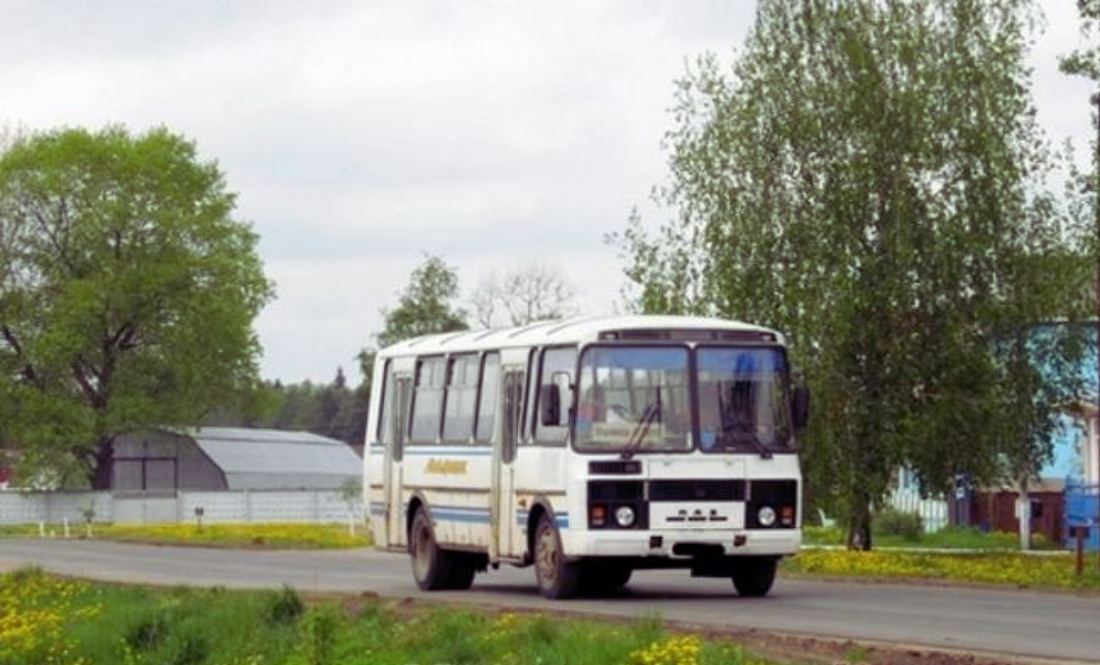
(425,306)
(127,292)
(1086,62)
(863,180)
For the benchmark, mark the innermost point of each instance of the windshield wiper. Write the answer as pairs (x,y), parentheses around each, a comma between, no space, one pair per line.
(730,424)
(743,428)
(651,414)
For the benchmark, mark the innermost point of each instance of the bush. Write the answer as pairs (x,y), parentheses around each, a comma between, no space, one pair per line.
(284,607)
(907,526)
(148,633)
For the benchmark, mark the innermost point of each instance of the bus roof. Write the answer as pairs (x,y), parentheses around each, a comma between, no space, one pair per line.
(586,329)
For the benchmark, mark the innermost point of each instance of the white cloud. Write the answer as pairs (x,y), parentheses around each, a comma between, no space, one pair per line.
(360,135)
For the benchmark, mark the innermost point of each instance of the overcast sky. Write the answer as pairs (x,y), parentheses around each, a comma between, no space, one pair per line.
(361,134)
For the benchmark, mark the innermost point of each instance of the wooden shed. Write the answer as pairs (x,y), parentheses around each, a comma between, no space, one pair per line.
(995,510)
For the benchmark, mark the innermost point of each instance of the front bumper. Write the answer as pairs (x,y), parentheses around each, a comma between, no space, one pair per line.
(681,544)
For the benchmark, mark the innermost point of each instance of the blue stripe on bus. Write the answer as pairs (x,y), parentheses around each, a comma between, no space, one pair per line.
(472,515)
(460,514)
(561,519)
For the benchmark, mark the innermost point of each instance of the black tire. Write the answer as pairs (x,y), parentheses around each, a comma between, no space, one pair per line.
(430,565)
(601,577)
(557,578)
(462,568)
(754,576)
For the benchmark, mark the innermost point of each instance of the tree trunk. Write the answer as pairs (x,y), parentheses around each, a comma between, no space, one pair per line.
(100,474)
(1023,512)
(859,524)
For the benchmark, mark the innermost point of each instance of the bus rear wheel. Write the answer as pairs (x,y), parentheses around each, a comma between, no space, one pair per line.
(557,577)
(430,565)
(461,570)
(754,576)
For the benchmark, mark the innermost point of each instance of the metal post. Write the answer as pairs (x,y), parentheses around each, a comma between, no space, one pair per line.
(1079,531)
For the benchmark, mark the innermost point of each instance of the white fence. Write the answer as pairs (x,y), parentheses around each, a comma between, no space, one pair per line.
(933,512)
(241,506)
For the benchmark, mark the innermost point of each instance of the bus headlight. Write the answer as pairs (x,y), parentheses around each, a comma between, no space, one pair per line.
(624,516)
(766,516)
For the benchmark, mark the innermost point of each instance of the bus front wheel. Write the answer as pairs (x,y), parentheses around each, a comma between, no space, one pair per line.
(557,577)
(602,576)
(754,576)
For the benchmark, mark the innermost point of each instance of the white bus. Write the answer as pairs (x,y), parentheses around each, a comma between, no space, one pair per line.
(588,448)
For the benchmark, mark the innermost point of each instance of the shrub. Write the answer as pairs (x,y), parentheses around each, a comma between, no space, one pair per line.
(284,606)
(147,633)
(907,526)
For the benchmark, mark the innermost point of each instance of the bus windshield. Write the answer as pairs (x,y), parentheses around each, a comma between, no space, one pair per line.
(638,399)
(633,399)
(742,399)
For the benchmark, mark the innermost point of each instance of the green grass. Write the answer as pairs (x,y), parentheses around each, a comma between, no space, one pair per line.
(1015,569)
(65,622)
(952,537)
(280,536)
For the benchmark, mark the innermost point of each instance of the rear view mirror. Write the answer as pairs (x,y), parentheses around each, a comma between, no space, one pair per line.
(551,397)
(550,405)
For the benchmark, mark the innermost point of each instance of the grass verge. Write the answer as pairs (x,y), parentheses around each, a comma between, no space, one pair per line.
(263,535)
(952,537)
(44,620)
(1017,569)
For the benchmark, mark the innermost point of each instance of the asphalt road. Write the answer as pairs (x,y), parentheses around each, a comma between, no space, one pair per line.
(1019,622)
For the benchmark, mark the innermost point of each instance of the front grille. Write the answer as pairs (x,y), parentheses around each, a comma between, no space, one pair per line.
(615,491)
(697,490)
(775,491)
(615,468)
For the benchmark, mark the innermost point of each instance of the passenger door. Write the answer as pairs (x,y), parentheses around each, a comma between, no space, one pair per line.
(504,456)
(397,427)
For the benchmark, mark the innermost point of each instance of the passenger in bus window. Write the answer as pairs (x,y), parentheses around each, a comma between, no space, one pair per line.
(724,413)
(737,413)
(595,410)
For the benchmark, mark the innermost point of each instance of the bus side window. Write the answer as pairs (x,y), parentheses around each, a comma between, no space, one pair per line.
(427,406)
(460,401)
(392,419)
(530,388)
(488,397)
(556,375)
(382,433)
(512,416)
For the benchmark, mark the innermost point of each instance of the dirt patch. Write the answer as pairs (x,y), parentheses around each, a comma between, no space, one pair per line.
(823,651)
